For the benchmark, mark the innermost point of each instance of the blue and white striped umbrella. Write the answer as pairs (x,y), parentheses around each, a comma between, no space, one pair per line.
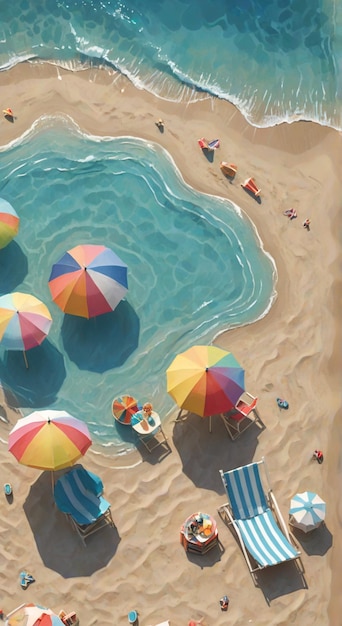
(307,511)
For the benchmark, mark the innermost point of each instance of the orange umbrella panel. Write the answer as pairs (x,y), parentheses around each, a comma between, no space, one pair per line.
(49,440)
(205,380)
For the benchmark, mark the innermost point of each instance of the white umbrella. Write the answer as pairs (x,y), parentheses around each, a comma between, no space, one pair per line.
(31,614)
(307,511)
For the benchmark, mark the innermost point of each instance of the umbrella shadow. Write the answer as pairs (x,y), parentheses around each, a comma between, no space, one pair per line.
(204,453)
(13,267)
(104,342)
(317,542)
(66,554)
(37,385)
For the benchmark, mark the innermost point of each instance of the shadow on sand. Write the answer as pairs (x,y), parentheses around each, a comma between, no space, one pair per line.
(37,385)
(280,580)
(209,558)
(317,542)
(104,342)
(203,453)
(66,553)
(252,195)
(209,154)
(13,267)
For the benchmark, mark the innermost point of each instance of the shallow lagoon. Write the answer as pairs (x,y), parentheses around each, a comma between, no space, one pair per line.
(195,267)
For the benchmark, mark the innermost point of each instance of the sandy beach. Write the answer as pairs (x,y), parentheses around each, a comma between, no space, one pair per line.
(293,352)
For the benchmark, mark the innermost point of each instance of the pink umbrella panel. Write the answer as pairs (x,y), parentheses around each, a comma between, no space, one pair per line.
(88,281)
(24,321)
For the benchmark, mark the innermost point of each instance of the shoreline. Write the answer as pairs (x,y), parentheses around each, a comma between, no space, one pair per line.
(291,352)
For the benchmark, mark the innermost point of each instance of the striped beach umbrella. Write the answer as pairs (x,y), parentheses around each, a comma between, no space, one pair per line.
(25,321)
(49,440)
(205,380)
(307,511)
(88,280)
(9,223)
(32,615)
(124,407)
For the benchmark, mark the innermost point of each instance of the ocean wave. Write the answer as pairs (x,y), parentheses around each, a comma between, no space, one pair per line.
(273,63)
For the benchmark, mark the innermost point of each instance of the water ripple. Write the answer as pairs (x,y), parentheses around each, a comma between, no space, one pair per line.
(195,266)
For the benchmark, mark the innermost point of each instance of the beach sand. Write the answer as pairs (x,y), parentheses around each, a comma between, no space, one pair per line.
(293,352)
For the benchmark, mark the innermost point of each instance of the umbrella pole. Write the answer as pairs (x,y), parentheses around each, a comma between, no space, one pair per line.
(210,423)
(25,359)
(52,482)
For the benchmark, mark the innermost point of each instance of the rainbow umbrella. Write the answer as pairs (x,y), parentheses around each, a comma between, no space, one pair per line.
(9,223)
(124,407)
(49,440)
(24,321)
(205,380)
(32,615)
(88,280)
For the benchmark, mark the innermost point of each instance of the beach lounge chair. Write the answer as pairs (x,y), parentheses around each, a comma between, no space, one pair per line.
(204,144)
(78,495)
(250,185)
(255,516)
(242,416)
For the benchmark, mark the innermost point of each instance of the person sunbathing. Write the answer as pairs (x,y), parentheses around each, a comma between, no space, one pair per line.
(291,213)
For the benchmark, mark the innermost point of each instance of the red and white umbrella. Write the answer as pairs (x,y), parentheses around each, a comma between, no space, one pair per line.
(32,615)
(49,440)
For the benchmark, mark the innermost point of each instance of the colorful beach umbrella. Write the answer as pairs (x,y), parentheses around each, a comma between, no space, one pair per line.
(205,380)
(24,321)
(124,407)
(9,223)
(307,511)
(49,440)
(32,615)
(88,280)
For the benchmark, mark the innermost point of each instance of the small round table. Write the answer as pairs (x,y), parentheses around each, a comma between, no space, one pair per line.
(149,430)
(144,426)
(199,533)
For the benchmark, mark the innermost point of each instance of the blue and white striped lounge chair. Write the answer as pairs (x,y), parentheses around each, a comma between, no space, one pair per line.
(256,518)
(78,495)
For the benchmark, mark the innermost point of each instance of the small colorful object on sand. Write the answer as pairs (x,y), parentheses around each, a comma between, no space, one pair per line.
(318,455)
(132,617)
(224,603)
(228,169)
(208,145)
(8,112)
(283,404)
(25,579)
(250,185)
(8,489)
(291,213)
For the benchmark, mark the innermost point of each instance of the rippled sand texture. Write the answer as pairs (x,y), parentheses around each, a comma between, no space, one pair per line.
(293,352)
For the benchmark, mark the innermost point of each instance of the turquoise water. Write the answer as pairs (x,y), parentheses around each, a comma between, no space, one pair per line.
(274,59)
(195,267)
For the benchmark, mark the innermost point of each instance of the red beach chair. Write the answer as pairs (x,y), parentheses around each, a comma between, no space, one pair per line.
(242,416)
(203,144)
(250,186)
(208,145)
